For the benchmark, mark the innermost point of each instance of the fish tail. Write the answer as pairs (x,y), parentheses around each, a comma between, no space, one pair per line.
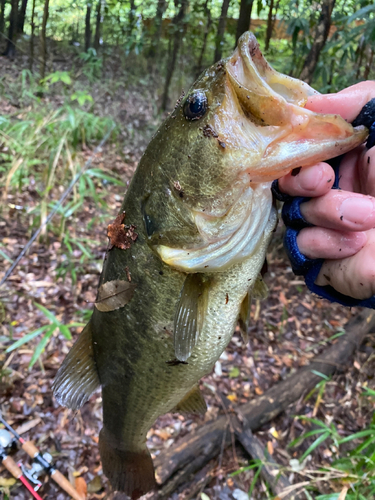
(129,471)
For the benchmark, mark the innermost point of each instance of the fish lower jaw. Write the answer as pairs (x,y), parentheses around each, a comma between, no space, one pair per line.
(279,159)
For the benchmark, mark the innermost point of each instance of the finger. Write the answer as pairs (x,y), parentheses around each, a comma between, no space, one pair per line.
(310,181)
(341,210)
(320,243)
(353,276)
(366,171)
(347,103)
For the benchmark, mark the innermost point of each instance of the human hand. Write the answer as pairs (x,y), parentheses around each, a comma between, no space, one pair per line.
(344,219)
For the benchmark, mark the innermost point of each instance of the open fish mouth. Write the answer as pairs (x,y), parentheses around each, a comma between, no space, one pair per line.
(267,133)
(275,103)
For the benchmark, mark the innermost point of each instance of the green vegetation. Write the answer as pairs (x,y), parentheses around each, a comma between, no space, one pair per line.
(352,457)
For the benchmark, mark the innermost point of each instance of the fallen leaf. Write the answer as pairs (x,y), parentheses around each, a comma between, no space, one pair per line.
(6,482)
(232,397)
(270,447)
(113,295)
(28,425)
(343,493)
(274,433)
(95,485)
(234,372)
(81,486)
(163,434)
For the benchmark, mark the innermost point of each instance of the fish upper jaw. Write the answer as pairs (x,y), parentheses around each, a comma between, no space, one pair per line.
(277,133)
(261,91)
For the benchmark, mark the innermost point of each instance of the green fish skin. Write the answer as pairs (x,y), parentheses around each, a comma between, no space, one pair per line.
(195,226)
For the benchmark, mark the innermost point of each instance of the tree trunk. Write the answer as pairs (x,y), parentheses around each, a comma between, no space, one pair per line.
(11,48)
(320,38)
(271,22)
(88,27)
(221,30)
(207,13)
(269,26)
(244,19)
(32,22)
(43,44)
(178,26)
(2,18)
(97,25)
(360,53)
(21,16)
(131,16)
(368,67)
(157,28)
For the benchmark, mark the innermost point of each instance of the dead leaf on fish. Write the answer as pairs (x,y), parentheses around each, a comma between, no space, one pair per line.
(120,235)
(113,295)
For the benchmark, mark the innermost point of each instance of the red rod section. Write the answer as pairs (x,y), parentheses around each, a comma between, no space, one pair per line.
(30,488)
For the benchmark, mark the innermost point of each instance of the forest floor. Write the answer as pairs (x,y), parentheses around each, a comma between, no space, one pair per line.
(287,330)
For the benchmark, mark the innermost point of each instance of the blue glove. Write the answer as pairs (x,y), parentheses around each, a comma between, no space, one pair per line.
(294,221)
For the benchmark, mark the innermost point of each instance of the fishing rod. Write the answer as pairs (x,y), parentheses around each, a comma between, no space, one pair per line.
(44,460)
(11,466)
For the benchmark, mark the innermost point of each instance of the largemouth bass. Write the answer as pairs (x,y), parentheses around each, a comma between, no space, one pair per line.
(187,248)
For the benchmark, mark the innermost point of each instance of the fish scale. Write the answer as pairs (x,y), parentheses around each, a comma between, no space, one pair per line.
(192,236)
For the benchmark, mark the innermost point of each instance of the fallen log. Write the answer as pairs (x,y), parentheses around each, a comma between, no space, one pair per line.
(271,470)
(175,465)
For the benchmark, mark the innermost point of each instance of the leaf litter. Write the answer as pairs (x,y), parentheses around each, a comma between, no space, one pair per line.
(286,331)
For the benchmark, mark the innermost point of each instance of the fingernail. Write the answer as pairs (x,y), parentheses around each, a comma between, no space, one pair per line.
(356,210)
(309,178)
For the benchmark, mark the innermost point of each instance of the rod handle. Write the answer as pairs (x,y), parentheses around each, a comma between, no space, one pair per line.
(65,485)
(30,448)
(12,467)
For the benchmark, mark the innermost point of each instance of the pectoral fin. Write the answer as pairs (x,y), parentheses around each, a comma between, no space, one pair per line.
(260,289)
(244,317)
(189,315)
(193,402)
(258,292)
(77,377)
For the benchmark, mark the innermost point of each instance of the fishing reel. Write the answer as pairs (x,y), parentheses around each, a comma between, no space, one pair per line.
(7,441)
(35,471)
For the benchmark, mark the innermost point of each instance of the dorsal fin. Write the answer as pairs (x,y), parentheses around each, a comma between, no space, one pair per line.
(77,377)
(189,315)
(193,402)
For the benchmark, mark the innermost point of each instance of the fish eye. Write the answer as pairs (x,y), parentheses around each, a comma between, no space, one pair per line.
(195,106)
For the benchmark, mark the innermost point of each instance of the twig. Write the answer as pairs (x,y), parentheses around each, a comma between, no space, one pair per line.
(223,401)
(270,470)
(53,212)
